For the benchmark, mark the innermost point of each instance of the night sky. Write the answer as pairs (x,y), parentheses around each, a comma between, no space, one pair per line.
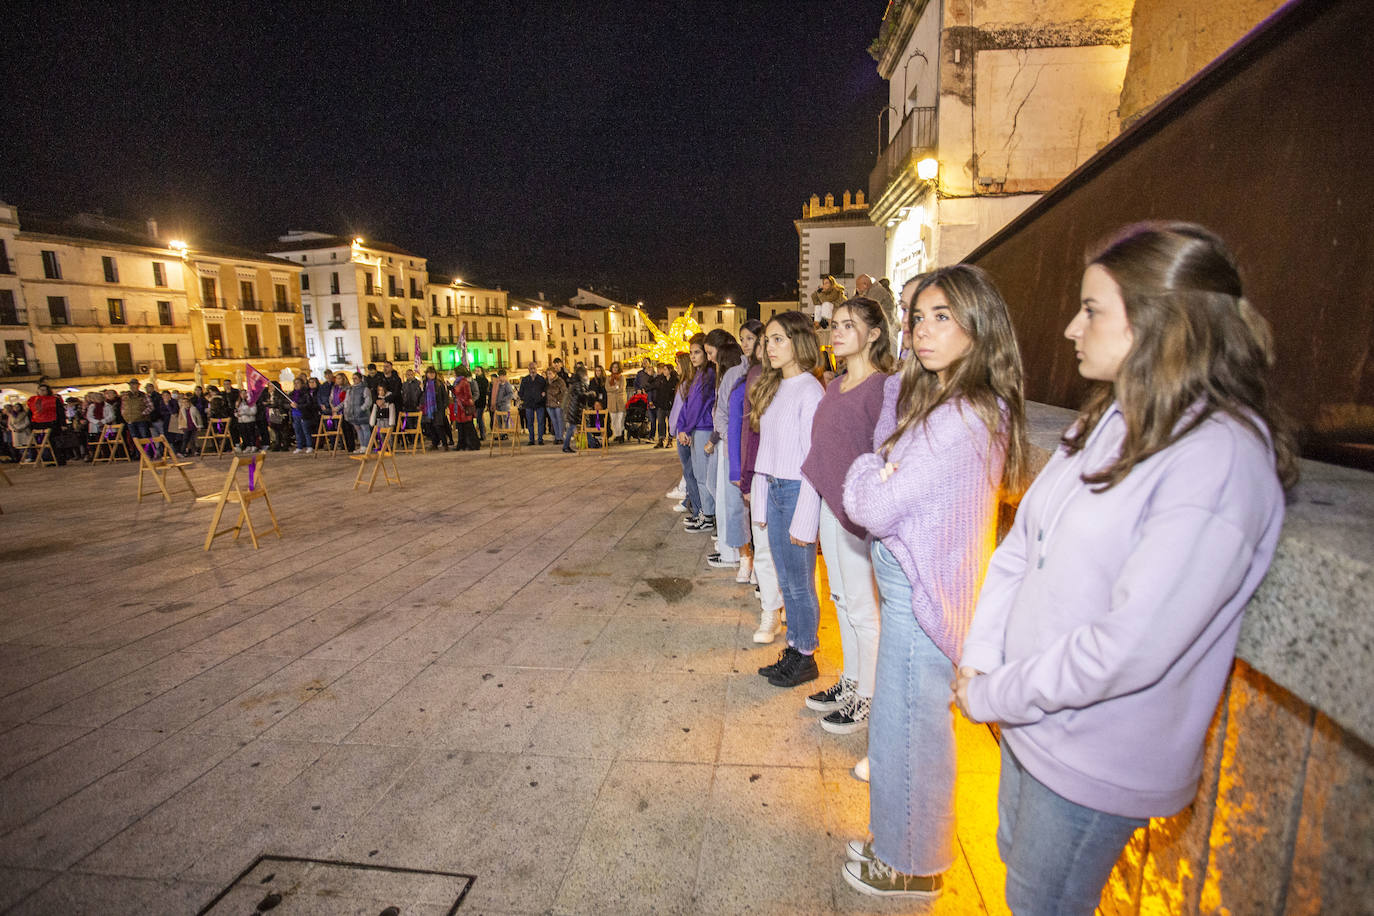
(657,150)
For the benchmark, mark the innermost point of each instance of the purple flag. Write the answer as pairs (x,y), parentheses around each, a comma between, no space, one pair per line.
(254,383)
(463,344)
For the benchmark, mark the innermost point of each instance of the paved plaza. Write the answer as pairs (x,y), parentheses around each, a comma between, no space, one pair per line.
(517,669)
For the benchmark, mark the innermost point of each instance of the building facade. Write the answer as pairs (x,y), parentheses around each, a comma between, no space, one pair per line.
(990,105)
(363,301)
(463,312)
(19,359)
(712,312)
(836,240)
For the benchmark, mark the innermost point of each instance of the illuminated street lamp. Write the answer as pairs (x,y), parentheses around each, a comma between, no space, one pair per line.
(927,169)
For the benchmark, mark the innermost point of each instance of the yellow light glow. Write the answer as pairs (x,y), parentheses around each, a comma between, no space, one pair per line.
(927,169)
(667,346)
(357,242)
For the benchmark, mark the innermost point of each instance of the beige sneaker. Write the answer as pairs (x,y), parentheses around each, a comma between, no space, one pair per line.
(770,625)
(878,879)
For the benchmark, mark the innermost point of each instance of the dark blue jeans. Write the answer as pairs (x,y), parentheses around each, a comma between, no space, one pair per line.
(531,413)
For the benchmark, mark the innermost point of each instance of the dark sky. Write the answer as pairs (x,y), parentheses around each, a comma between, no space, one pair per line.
(662,149)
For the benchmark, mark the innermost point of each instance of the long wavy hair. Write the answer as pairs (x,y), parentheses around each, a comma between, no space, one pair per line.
(686,372)
(1196,341)
(805,349)
(988,378)
(728,356)
(871,316)
(755,327)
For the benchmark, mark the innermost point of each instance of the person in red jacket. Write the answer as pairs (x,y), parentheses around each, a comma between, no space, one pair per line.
(47,412)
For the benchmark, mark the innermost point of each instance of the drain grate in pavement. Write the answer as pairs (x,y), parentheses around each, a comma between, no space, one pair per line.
(290,886)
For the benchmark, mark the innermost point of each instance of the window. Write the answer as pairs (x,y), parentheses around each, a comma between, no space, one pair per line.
(111,269)
(837,267)
(250,339)
(368,287)
(57,310)
(336,320)
(310,345)
(248,295)
(159,273)
(334,283)
(519,362)
(396,347)
(374,317)
(51,269)
(308,310)
(164,313)
(209,293)
(534,331)
(720,316)
(701,316)
(283,303)
(116,307)
(305,279)
(214,334)
(339,353)
(391,287)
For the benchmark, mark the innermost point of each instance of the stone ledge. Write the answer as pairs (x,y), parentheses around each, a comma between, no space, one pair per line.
(1309,627)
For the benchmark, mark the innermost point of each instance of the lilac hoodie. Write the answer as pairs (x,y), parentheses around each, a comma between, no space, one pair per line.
(1108,621)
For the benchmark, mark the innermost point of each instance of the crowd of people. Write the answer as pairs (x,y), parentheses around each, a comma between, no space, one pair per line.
(454,413)
(1098,635)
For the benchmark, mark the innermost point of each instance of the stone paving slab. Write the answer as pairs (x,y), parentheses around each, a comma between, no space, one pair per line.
(515,668)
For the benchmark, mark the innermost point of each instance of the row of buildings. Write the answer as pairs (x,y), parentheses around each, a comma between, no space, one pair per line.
(90,301)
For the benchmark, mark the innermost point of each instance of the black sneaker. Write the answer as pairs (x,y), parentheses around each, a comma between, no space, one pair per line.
(852,718)
(802,669)
(703,523)
(832,698)
(770,670)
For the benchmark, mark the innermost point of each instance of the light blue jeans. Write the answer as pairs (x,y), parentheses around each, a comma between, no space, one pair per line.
(911,761)
(689,479)
(556,421)
(733,521)
(796,566)
(1059,854)
(704,470)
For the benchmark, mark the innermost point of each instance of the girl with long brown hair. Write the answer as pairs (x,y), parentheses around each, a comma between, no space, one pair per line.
(783,502)
(694,425)
(950,439)
(1108,622)
(842,431)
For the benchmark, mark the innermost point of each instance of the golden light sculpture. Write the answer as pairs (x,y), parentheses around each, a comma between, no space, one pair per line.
(667,346)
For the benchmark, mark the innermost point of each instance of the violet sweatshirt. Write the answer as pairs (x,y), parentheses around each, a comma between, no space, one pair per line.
(734,439)
(937,513)
(1108,621)
(699,404)
(784,440)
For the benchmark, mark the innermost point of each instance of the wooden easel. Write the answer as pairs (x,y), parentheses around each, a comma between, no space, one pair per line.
(41,443)
(587,428)
(505,431)
(216,436)
(408,435)
(109,446)
(380,449)
(231,492)
(325,435)
(157,467)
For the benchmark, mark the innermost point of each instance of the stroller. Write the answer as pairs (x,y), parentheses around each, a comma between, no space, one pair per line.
(637,418)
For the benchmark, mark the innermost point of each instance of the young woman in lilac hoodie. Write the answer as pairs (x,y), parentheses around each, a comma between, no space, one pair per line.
(693,430)
(1108,621)
(950,439)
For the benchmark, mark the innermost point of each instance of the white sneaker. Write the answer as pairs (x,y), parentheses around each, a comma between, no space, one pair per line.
(677,492)
(295,451)
(309,451)
(770,625)
(716,561)
(753,576)
(861,770)
(679,507)
(746,569)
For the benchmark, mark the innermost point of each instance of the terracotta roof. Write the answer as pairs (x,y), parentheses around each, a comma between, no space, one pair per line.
(338,241)
(100,229)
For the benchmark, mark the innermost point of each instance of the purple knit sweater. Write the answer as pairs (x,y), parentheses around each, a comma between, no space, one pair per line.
(937,513)
(841,432)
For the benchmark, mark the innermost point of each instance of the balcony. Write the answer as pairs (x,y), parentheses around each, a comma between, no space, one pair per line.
(913,140)
(10,315)
(284,308)
(416,294)
(119,368)
(336,324)
(339,359)
(377,356)
(213,303)
(373,322)
(99,319)
(250,305)
(838,269)
(401,356)
(442,341)
(289,352)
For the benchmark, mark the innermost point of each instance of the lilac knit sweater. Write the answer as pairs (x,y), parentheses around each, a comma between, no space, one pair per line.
(784,440)
(937,513)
